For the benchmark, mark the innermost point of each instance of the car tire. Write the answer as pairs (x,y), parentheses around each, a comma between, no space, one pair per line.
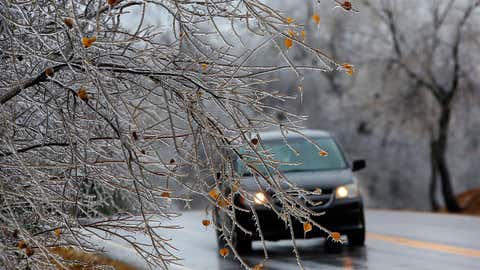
(243,245)
(241,242)
(357,238)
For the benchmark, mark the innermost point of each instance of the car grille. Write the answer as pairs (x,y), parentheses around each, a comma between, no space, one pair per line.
(309,198)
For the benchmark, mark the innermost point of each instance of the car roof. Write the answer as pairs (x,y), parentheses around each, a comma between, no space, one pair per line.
(277,135)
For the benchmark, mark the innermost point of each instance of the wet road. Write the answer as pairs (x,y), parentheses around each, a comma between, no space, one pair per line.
(395,240)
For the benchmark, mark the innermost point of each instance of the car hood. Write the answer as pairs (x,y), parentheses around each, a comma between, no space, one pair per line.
(308,180)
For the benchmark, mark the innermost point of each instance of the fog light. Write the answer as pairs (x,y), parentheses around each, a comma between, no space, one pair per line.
(260,198)
(342,192)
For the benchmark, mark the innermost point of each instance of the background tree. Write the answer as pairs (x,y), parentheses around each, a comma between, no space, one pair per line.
(98,107)
(381,114)
(432,60)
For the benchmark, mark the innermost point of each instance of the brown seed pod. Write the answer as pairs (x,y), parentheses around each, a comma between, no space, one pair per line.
(134,135)
(68,22)
(82,94)
(254,141)
(205,222)
(22,244)
(347,5)
(29,251)
(172,161)
(224,252)
(335,236)
(112,2)
(49,72)
(307,227)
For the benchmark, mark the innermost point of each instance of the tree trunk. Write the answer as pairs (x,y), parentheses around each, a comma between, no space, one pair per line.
(433,176)
(439,153)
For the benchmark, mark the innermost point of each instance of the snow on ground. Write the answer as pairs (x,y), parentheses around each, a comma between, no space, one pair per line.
(186,240)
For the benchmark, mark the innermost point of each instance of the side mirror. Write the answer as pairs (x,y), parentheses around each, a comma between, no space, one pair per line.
(358,165)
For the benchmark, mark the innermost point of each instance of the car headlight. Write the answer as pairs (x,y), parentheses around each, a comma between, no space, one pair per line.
(347,191)
(260,198)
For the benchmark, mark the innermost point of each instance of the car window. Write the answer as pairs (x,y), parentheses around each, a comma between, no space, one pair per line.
(306,158)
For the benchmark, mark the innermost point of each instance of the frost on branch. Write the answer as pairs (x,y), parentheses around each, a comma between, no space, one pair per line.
(105,119)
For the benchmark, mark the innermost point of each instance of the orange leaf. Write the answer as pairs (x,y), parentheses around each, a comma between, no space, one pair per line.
(22,244)
(323,153)
(165,194)
(224,252)
(57,232)
(288,43)
(214,194)
(350,69)
(112,2)
(258,266)
(303,35)
(335,236)
(223,203)
(88,41)
(82,94)
(289,20)
(316,18)
(205,222)
(307,227)
(204,66)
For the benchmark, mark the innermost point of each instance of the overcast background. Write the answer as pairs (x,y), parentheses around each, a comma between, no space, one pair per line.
(377,114)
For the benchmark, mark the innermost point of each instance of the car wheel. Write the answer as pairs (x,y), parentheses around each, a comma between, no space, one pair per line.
(357,238)
(241,242)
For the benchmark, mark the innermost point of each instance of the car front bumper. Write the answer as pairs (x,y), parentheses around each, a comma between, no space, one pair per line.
(341,216)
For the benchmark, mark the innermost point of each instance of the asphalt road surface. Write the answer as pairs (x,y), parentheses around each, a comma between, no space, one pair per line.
(395,240)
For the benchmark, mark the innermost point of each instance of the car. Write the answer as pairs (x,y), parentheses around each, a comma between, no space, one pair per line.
(325,175)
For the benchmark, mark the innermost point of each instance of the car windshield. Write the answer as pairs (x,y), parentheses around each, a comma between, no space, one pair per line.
(307,158)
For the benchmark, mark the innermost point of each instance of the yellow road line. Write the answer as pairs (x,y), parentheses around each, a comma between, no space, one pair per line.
(426,245)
